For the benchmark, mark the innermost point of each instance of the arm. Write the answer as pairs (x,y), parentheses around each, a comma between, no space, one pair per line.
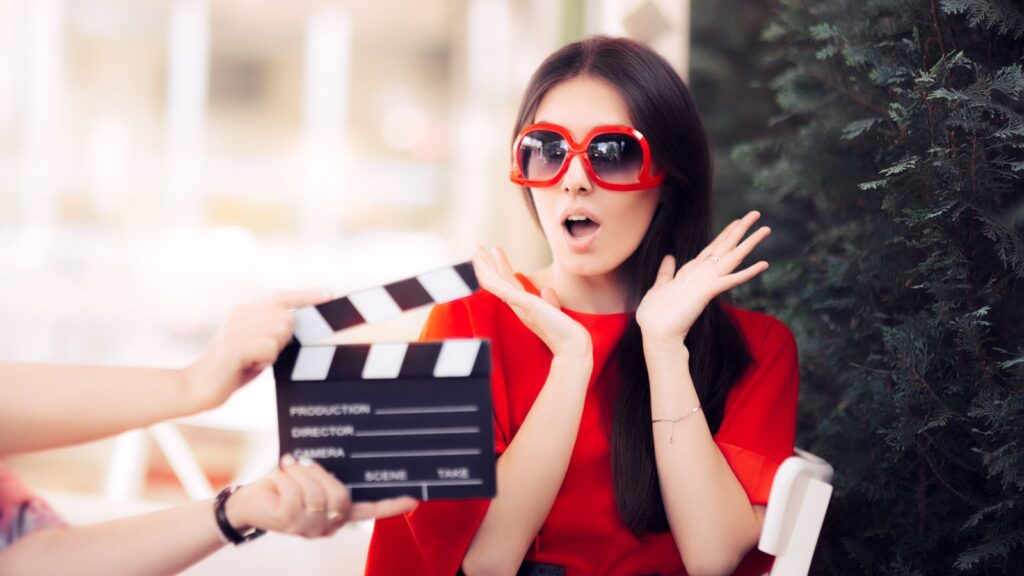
(712,521)
(300,498)
(531,470)
(46,406)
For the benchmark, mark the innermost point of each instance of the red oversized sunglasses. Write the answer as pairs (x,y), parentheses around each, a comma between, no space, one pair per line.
(615,157)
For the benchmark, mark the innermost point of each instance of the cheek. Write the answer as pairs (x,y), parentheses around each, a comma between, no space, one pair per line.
(632,220)
(544,204)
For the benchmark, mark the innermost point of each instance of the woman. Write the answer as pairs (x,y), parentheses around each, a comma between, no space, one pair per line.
(639,421)
(47,406)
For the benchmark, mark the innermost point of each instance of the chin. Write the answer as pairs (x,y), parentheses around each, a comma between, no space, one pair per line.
(588,264)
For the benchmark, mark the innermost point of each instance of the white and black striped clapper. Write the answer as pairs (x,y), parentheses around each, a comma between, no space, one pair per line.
(381,303)
(404,418)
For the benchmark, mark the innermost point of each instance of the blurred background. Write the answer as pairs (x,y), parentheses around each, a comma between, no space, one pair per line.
(162,161)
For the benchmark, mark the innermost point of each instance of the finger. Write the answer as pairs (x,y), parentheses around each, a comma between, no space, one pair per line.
(382,508)
(283,332)
(261,350)
(736,278)
(736,256)
(491,281)
(548,295)
(485,256)
(300,298)
(484,267)
(289,495)
(738,232)
(487,275)
(505,267)
(276,327)
(666,271)
(314,499)
(710,248)
(338,499)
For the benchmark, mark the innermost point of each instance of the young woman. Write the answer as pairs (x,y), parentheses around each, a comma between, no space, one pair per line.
(639,421)
(47,406)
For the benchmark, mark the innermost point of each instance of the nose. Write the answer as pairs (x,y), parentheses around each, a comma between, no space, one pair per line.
(576,179)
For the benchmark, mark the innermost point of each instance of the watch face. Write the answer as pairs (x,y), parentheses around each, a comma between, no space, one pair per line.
(253,534)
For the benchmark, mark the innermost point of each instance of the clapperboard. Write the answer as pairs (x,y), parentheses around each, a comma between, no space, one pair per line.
(393,419)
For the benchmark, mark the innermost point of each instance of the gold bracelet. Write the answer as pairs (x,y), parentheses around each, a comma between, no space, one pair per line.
(675,421)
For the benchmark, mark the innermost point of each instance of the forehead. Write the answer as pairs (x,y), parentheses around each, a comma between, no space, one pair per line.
(581,103)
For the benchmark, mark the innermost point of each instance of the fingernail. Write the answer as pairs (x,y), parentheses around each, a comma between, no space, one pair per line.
(327,294)
(306,462)
(287,460)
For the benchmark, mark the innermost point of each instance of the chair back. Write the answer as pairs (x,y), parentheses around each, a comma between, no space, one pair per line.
(796,508)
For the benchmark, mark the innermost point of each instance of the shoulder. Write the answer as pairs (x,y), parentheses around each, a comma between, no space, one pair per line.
(763,333)
(470,316)
(478,303)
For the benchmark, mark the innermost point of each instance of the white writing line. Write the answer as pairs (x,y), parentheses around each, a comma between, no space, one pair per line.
(415,431)
(405,484)
(313,410)
(400,453)
(425,410)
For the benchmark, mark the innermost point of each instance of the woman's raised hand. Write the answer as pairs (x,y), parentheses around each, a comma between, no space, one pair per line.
(542,315)
(676,300)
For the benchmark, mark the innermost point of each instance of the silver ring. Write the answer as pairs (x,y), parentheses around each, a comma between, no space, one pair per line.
(715,258)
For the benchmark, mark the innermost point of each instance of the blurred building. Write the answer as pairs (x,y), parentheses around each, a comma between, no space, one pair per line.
(164,160)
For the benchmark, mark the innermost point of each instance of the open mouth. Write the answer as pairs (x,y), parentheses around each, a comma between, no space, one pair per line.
(580,226)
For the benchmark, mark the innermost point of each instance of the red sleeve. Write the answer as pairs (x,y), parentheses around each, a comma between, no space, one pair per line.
(759,424)
(434,537)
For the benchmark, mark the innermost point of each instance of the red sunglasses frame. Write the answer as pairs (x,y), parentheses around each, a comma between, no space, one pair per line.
(646,179)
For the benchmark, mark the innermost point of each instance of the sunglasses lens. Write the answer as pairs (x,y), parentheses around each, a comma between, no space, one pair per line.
(541,154)
(616,158)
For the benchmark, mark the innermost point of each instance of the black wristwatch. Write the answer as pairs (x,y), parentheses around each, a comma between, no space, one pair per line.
(230,533)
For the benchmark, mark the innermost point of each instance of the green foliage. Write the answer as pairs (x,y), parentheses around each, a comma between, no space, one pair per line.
(897,138)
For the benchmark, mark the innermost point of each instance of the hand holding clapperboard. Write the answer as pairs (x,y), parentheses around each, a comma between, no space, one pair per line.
(390,419)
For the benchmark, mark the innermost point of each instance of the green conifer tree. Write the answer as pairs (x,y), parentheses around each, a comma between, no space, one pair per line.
(898,140)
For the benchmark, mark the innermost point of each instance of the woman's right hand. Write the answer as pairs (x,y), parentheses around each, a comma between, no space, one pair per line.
(302,498)
(541,314)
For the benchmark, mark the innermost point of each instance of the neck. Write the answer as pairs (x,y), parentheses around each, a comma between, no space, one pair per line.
(588,294)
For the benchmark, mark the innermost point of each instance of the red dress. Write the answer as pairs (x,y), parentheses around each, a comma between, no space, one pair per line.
(583,530)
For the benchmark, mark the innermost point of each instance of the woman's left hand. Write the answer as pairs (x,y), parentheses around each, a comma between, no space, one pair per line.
(676,300)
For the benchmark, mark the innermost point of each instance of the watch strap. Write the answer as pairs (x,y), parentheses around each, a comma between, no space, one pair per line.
(230,532)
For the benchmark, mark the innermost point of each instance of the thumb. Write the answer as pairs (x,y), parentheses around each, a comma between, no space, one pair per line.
(666,271)
(549,296)
(300,298)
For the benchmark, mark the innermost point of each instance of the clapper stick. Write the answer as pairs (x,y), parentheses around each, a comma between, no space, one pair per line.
(396,418)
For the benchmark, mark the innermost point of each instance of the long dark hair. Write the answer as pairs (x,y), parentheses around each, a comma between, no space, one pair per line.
(661,108)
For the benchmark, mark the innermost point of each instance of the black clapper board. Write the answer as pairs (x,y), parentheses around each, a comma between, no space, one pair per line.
(390,419)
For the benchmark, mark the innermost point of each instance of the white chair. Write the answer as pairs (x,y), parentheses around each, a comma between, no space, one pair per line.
(128,463)
(250,413)
(796,508)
